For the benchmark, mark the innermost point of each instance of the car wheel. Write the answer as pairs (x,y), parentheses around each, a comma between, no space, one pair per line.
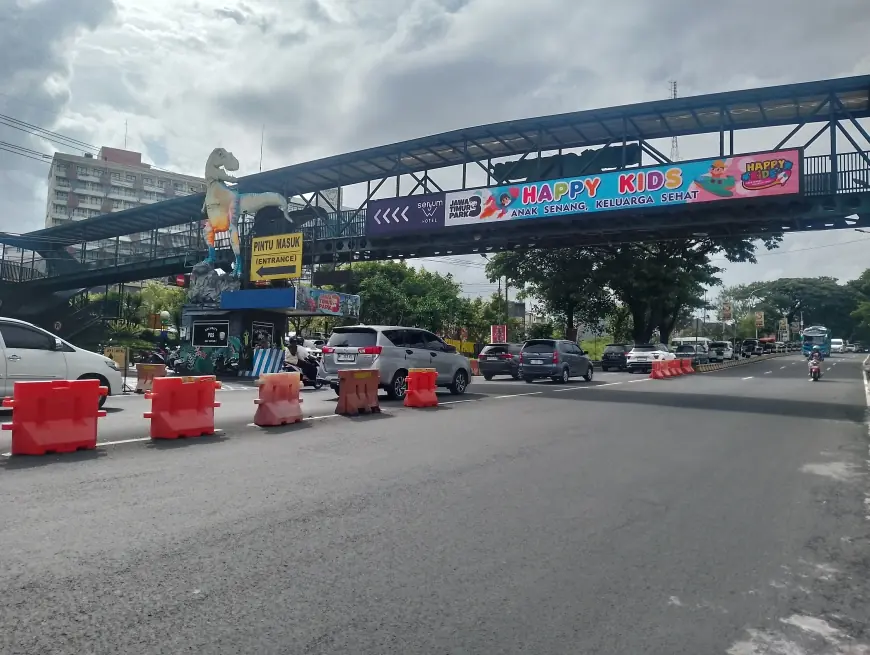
(103,383)
(487,377)
(460,383)
(515,376)
(398,386)
(565,378)
(604,369)
(588,376)
(528,380)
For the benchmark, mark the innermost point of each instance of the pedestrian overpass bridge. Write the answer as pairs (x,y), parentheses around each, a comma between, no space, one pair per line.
(165,238)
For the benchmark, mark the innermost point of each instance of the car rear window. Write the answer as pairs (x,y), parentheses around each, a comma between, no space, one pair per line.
(719,344)
(749,342)
(353,338)
(686,349)
(616,348)
(539,347)
(645,349)
(494,349)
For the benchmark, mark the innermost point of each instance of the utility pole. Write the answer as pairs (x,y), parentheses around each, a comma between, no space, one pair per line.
(675,146)
(262,137)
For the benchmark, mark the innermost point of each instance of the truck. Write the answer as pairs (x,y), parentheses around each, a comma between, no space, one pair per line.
(816,335)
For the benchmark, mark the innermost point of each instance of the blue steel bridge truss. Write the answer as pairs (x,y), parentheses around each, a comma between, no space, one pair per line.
(165,238)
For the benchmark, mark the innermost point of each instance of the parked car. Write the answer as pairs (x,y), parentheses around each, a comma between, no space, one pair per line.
(33,354)
(750,347)
(500,359)
(392,350)
(642,356)
(615,356)
(850,348)
(557,359)
(721,351)
(768,347)
(697,353)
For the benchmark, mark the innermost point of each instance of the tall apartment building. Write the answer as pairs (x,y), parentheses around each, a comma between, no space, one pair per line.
(83,187)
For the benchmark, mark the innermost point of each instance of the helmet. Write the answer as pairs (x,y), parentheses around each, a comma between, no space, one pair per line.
(816,349)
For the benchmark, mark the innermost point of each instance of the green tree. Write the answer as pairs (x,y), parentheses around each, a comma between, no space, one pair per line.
(565,281)
(157,297)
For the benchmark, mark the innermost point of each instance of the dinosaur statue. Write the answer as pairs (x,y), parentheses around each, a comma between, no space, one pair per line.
(223,205)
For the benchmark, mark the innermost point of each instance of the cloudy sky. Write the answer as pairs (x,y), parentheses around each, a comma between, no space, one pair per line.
(329,76)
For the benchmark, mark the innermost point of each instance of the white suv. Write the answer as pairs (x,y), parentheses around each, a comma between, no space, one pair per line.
(721,351)
(641,357)
(32,354)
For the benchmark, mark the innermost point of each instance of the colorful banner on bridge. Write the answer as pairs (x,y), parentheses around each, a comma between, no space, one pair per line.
(740,177)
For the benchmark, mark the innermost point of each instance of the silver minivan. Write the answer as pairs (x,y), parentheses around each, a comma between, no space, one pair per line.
(392,350)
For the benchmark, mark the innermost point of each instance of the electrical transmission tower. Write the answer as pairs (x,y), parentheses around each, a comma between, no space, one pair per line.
(675,146)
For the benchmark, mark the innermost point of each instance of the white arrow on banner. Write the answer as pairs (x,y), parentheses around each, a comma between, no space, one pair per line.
(405,214)
(395,215)
(377,213)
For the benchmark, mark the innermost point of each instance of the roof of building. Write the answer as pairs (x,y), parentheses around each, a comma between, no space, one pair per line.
(738,110)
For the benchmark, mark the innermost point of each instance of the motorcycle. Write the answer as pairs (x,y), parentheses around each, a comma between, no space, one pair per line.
(317,383)
(815,371)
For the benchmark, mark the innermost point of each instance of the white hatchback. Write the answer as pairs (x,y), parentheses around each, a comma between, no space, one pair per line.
(29,354)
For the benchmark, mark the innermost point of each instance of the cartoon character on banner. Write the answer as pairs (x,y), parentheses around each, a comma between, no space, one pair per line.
(223,205)
(497,204)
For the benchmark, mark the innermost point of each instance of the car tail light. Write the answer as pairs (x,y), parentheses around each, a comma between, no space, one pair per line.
(327,350)
(555,356)
(507,356)
(370,350)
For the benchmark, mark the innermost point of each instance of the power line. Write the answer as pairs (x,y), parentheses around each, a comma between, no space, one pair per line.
(48,135)
(17,150)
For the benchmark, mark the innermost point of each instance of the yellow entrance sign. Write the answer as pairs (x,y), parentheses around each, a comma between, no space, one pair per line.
(277,257)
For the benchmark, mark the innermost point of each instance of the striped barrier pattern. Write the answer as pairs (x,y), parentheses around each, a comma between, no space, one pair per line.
(266,360)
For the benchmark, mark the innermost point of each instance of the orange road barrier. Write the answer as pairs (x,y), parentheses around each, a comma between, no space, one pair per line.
(145,374)
(656,372)
(687,366)
(358,392)
(475,366)
(279,402)
(58,416)
(182,407)
(676,367)
(421,388)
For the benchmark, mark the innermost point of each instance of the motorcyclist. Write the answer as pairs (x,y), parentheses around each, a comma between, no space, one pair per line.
(815,360)
(297,355)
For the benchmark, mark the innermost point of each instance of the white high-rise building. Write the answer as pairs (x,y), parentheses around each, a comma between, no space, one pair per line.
(84,187)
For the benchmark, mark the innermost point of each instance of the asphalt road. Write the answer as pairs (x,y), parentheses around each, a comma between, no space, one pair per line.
(720,513)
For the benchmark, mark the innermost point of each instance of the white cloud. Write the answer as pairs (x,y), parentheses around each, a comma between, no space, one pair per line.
(330,76)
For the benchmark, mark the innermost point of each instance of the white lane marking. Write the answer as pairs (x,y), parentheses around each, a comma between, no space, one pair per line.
(117,443)
(748,378)
(781,367)
(456,402)
(636,381)
(768,372)
(593,386)
(514,395)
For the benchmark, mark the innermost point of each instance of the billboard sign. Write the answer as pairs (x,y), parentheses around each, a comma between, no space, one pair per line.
(739,177)
(405,215)
(327,303)
(759,319)
(726,311)
(497,333)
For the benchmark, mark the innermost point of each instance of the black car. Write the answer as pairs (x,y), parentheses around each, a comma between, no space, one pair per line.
(697,353)
(750,347)
(614,356)
(500,359)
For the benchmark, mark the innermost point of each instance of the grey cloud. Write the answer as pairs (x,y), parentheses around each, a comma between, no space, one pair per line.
(35,38)
(233,14)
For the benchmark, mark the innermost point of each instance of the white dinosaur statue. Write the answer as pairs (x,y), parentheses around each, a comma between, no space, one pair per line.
(224,205)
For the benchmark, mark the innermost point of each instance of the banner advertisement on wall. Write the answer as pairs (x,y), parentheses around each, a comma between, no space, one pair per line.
(327,303)
(738,177)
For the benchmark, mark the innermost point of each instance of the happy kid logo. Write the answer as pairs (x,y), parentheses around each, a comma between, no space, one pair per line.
(766,173)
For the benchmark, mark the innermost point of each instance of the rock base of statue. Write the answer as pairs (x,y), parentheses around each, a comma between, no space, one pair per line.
(207,285)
